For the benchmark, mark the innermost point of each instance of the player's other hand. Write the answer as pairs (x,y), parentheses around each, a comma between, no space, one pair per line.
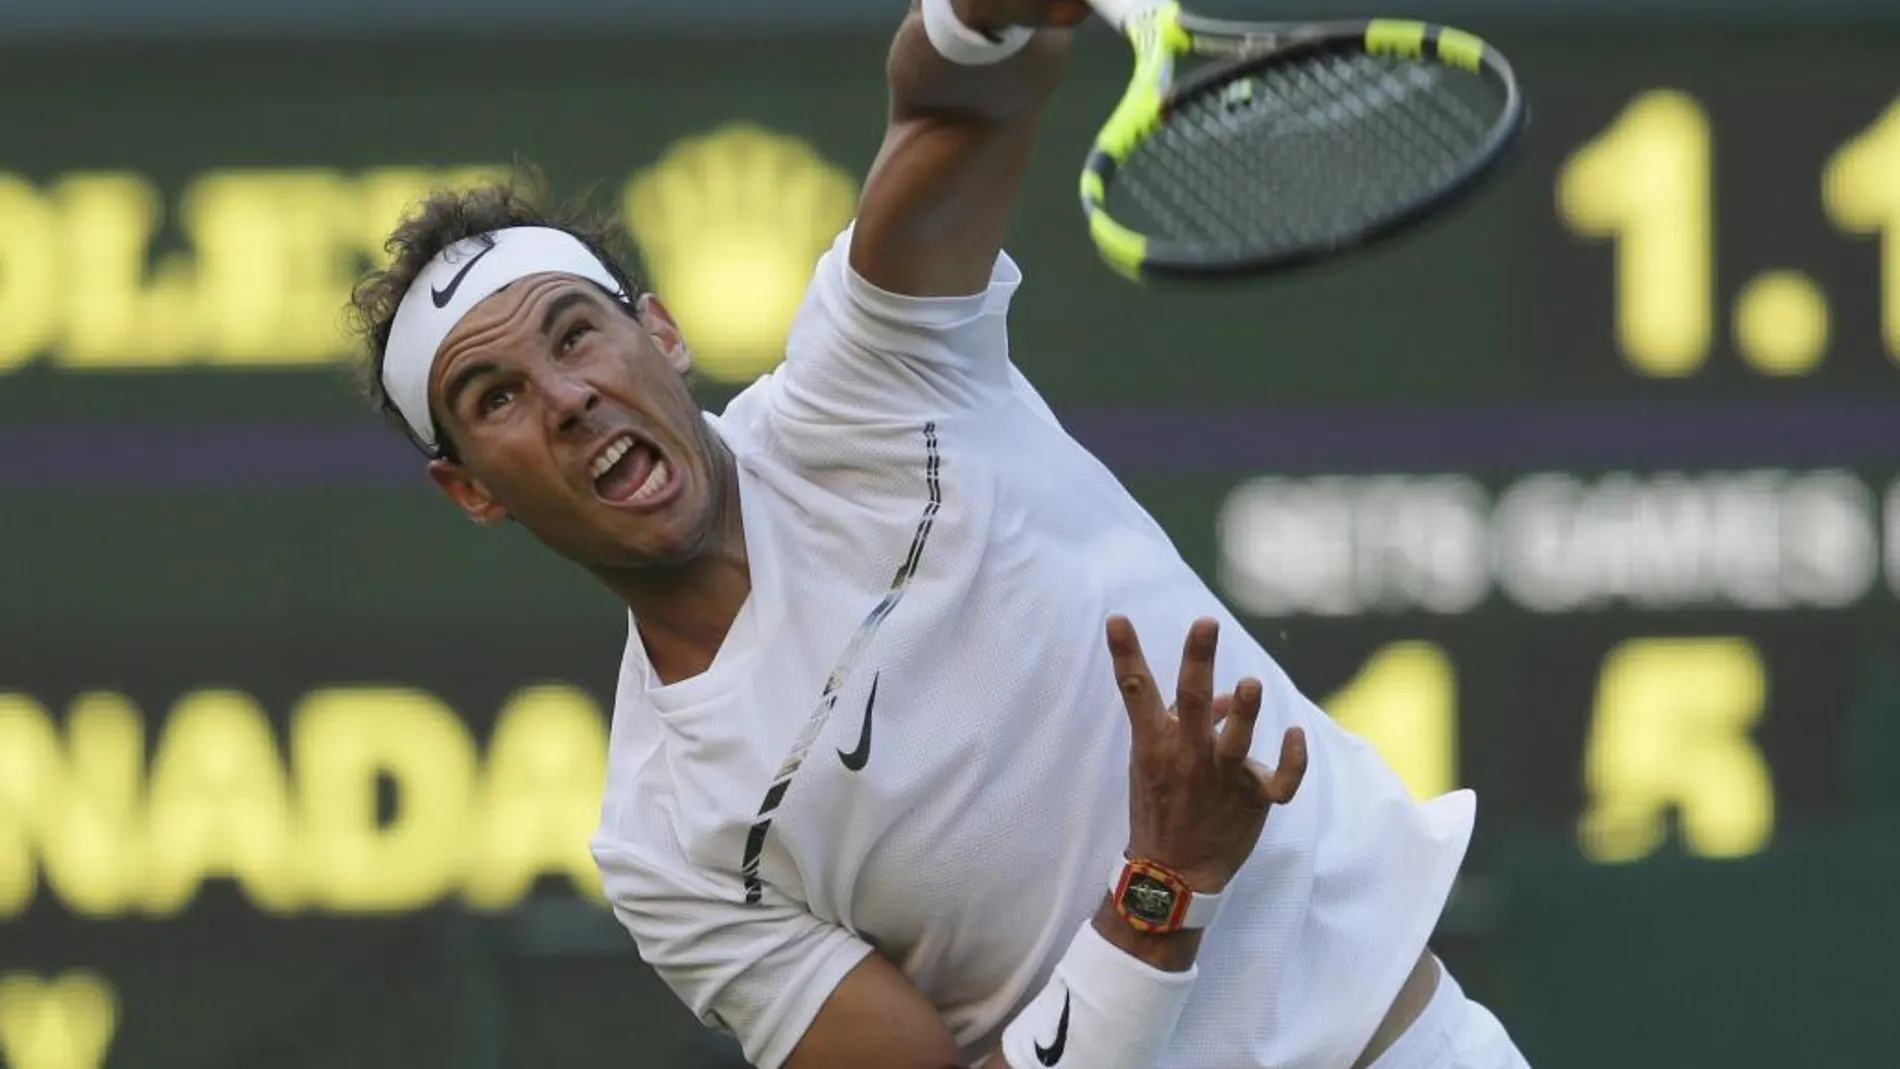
(1002,14)
(1196,801)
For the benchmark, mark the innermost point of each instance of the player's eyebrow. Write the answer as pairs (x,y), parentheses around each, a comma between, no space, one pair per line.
(466,376)
(561,304)
(463,378)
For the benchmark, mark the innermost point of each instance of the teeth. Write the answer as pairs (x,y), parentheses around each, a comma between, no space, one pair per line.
(655,481)
(612,456)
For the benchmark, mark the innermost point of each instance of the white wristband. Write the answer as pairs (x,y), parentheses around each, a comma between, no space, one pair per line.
(960,44)
(1117,12)
(1103,1009)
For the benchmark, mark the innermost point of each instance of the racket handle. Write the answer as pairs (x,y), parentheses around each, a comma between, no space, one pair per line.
(1117,12)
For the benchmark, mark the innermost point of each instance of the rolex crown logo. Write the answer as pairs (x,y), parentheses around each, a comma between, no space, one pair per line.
(730,224)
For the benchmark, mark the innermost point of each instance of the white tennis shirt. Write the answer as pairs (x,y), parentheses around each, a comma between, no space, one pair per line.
(912,741)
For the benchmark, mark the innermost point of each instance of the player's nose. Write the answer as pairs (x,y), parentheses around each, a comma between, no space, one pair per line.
(570,399)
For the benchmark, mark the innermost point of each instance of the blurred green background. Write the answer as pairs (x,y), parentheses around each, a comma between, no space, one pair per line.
(1588,498)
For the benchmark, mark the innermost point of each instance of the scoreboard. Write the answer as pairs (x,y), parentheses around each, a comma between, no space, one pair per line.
(1587,498)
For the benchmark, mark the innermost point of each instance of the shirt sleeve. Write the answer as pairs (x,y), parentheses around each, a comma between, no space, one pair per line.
(760,972)
(858,353)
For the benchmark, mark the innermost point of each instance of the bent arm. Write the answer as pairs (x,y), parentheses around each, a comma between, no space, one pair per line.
(875,1019)
(938,200)
(802,993)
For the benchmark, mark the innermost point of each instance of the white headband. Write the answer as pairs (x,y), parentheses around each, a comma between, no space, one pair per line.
(458,279)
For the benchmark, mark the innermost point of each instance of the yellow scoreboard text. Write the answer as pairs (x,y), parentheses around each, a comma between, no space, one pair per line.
(110,832)
(252,269)
(1648,183)
(62,1022)
(271,258)
(112,837)
(1670,738)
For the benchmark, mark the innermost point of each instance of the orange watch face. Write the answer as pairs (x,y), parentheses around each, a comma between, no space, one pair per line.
(1151,897)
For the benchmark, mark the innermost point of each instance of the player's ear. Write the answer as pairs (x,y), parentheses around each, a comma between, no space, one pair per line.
(467,492)
(659,323)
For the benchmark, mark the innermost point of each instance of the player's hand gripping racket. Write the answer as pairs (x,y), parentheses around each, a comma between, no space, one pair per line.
(1296,143)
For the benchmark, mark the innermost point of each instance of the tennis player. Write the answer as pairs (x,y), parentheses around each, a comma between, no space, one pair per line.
(891,783)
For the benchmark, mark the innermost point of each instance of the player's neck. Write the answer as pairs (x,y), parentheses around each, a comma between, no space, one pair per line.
(683,612)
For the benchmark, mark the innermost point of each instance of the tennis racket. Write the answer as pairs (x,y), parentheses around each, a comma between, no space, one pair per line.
(1292,144)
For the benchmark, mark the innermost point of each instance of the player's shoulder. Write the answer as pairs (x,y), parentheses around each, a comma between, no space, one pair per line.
(862,358)
(843,310)
(838,288)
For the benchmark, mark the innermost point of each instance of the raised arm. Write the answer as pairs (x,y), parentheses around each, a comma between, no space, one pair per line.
(938,199)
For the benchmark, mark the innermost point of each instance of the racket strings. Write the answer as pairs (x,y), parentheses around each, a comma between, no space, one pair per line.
(1305,153)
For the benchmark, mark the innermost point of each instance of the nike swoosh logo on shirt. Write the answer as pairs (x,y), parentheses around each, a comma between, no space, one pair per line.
(858,758)
(443,296)
(1052,1053)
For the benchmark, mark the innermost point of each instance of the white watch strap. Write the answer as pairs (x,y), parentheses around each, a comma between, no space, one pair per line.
(1117,12)
(1201,910)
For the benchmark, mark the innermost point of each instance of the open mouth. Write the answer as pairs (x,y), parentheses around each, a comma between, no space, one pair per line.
(630,471)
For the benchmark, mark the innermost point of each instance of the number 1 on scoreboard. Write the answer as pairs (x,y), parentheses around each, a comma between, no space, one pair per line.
(1644,183)
(1861,189)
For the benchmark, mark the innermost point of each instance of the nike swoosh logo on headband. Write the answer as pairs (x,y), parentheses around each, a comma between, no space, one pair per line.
(443,296)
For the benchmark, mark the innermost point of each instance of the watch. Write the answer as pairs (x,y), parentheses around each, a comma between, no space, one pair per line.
(1156,899)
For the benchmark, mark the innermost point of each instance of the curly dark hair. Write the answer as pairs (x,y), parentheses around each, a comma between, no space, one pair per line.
(439,221)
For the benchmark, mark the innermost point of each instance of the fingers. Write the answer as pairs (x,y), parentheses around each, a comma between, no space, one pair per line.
(1279,786)
(1194,690)
(1242,711)
(1147,713)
